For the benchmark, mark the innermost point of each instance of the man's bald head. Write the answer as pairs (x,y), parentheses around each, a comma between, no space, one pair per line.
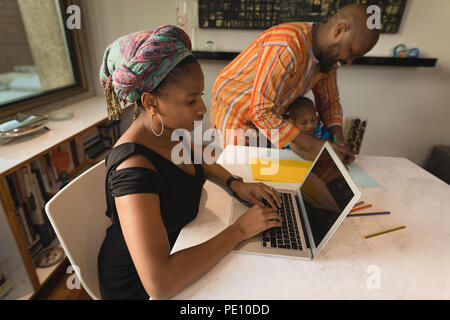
(355,16)
(344,37)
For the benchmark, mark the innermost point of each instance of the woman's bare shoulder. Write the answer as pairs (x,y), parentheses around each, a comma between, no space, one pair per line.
(135,160)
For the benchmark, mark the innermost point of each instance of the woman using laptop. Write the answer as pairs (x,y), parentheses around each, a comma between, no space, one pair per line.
(149,198)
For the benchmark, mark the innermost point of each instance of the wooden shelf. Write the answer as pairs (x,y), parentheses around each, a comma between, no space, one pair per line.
(396,62)
(370,61)
(22,151)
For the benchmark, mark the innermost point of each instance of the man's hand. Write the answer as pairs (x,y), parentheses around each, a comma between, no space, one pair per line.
(308,148)
(343,152)
(338,132)
(349,157)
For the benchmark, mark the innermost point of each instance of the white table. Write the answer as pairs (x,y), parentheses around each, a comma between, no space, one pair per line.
(412,263)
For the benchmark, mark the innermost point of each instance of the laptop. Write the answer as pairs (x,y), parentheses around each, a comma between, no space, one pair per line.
(311,214)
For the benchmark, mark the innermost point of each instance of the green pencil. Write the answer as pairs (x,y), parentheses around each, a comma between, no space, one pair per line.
(335,139)
(383,232)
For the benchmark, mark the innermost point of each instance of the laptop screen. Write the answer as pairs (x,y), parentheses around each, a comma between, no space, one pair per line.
(325,194)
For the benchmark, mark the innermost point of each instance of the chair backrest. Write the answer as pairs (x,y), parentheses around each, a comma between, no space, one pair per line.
(77,214)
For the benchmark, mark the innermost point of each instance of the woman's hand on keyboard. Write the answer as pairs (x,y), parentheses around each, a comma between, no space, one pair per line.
(255,193)
(257,219)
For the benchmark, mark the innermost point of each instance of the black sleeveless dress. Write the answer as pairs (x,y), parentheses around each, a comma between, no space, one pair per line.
(179,194)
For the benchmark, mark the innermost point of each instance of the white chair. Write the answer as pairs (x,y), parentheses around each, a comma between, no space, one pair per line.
(77,214)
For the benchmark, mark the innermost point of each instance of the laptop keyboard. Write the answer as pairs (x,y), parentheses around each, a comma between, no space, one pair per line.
(286,236)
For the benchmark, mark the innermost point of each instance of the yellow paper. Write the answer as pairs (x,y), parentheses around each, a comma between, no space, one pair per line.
(279,170)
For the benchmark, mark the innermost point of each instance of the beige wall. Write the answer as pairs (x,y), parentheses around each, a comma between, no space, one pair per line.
(408,108)
(47,43)
(13,39)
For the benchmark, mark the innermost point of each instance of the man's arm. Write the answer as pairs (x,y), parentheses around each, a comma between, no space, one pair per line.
(328,106)
(275,63)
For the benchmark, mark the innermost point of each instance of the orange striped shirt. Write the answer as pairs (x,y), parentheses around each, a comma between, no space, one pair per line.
(256,88)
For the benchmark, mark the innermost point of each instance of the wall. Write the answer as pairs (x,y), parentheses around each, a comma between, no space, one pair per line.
(43,26)
(408,109)
(13,39)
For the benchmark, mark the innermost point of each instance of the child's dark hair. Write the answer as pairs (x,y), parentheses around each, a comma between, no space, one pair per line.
(297,105)
(172,77)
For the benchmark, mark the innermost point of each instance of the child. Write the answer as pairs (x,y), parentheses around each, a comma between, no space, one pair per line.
(302,113)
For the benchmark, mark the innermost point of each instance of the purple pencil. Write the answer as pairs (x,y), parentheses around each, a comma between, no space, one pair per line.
(367,214)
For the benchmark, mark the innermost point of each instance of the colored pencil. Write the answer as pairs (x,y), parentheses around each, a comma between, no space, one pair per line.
(358,204)
(361,208)
(383,232)
(367,214)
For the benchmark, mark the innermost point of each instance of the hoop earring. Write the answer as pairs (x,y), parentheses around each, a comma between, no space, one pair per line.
(162,124)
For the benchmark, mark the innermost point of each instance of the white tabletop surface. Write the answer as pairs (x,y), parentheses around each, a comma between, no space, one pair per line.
(412,263)
(86,113)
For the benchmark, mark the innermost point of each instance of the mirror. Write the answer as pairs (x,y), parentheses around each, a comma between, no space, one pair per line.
(38,55)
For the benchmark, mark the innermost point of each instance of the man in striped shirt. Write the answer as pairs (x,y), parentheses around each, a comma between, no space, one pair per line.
(282,64)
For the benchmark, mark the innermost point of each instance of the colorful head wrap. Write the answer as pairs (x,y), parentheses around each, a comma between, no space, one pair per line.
(138,62)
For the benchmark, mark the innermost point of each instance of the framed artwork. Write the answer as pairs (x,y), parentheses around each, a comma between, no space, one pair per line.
(263,14)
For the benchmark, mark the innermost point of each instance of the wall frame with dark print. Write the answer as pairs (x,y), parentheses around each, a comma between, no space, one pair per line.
(263,14)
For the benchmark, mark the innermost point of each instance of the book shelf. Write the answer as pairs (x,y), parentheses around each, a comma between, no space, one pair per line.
(76,139)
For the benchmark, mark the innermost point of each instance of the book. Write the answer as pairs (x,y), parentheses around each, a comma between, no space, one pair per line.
(51,169)
(17,201)
(91,142)
(45,230)
(20,213)
(88,136)
(80,149)
(43,193)
(15,181)
(26,208)
(108,132)
(96,149)
(23,208)
(85,140)
(40,201)
(40,166)
(73,149)
(22,185)
(10,203)
(36,214)
(66,148)
(12,190)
